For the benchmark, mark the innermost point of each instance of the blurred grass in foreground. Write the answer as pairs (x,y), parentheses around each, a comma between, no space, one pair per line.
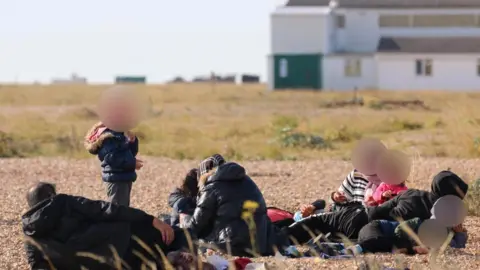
(191,121)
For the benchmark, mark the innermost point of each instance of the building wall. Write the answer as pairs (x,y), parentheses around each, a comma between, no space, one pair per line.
(298,33)
(270,73)
(334,77)
(362,31)
(456,72)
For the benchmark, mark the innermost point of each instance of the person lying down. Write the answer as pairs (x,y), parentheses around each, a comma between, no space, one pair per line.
(388,236)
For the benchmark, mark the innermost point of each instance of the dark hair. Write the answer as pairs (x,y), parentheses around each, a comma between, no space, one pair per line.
(40,192)
(189,184)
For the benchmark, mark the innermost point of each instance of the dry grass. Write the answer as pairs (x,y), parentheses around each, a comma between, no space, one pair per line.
(191,121)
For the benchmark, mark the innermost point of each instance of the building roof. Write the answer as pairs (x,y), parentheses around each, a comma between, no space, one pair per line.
(389,3)
(429,45)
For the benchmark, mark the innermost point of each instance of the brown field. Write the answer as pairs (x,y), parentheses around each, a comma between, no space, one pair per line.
(46,124)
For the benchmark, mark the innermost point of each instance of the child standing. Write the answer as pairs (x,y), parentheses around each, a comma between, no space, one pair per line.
(115,145)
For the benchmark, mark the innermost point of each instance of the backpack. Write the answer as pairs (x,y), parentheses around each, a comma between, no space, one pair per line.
(280,217)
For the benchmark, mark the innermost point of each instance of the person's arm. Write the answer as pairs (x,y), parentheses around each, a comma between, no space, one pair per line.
(387,210)
(35,258)
(116,156)
(204,212)
(175,196)
(342,188)
(105,211)
(378,194)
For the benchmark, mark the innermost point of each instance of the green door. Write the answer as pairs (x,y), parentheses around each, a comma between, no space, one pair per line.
(298,71)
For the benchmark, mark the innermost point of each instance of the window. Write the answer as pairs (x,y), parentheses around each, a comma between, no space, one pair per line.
(283,68)
(428,67)
(424,67)
(394,21)
(353,68)
(445,20)
(340,21)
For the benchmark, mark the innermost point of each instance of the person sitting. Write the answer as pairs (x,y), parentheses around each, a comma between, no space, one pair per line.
(219,218)
(183,199)
(58,226)
(388,236)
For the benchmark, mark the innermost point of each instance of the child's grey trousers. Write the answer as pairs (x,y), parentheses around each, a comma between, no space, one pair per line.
(119,192)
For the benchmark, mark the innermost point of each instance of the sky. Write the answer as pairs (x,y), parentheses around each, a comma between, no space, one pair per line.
(160,39)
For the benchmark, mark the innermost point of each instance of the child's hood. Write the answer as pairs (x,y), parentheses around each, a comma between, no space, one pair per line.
(95,137)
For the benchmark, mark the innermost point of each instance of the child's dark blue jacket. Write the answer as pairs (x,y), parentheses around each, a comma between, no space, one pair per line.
(116,154)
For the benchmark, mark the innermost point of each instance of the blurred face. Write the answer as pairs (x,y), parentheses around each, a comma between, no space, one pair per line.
(119,111)
(393,168)
(366,154)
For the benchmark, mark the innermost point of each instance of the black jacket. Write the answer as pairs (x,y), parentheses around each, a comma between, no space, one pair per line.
(418,203)
(218,216)
(65,225)
(181,203)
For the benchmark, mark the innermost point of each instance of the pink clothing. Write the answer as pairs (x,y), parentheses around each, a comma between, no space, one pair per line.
(395,189)
(369,191)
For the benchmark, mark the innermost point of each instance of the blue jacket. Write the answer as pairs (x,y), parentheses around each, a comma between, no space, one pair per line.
(117,156)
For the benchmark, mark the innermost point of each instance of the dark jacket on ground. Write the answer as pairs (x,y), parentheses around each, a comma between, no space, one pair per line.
(64,225)
(181,203)
(218,216)
(347,221)
(117,156)
(418,203)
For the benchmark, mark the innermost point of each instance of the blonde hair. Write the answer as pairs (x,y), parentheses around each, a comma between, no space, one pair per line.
(203,178)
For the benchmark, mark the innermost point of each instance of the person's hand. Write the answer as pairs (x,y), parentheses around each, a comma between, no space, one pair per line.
(387,194)
(167,231)
(370,201)
(420,250)
(307,210)
(138,164)
(130,136)
(459,228)
(339,197)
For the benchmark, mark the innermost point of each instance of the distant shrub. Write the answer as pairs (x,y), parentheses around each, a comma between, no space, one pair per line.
(395,124)
(436,123)
(288,137)
(343,134)
(11,146)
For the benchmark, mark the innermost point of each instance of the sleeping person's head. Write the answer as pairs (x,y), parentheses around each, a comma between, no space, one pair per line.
(40,192)
(448,183)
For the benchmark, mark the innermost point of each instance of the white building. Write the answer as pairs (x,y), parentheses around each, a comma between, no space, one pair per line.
(376,44)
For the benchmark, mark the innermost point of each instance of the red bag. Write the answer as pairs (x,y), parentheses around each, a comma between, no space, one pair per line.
(276,214)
